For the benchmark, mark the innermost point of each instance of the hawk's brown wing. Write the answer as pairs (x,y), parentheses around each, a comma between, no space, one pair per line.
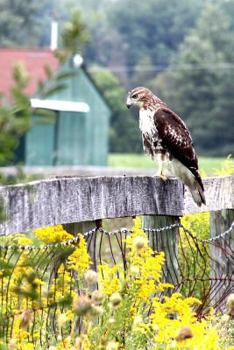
(177,140)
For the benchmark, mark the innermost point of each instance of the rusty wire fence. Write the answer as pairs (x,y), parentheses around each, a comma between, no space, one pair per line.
(37,284)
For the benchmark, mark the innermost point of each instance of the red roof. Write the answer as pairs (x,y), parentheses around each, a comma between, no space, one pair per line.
(34,61)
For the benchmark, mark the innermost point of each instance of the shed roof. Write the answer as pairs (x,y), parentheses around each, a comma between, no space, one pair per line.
(34,61)
(60,105)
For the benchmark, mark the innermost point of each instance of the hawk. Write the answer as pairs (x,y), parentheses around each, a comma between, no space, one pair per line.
(167,139)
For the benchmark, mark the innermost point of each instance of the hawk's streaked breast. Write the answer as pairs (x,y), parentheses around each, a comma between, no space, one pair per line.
(146,122)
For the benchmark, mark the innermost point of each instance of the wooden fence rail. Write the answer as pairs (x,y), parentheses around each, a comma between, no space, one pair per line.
(68,200)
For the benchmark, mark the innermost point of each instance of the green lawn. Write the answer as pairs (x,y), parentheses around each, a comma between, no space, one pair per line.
(207,165)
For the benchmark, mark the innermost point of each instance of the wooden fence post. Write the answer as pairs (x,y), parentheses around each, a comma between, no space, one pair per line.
(83,227)
(222,255)
(165,241)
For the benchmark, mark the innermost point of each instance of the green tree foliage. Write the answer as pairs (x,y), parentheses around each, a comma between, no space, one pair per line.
(200,83)
(124,132)
(126,34)
(20,22)
(150,28)
(14,118)
(73,37)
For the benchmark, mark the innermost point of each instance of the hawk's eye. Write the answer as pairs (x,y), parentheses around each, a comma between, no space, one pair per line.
(135,96)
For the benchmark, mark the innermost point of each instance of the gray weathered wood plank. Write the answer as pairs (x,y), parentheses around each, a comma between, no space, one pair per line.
(165,241)
(222,266)
(66,200)
(219,193)
(77,199)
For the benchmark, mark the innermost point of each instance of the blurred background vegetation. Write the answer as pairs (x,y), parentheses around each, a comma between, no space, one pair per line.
(182,49)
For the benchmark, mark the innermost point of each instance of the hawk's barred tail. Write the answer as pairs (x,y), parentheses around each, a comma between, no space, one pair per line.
(198,194)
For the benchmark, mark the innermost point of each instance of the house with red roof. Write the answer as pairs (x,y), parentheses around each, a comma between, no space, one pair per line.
(34,62)
(78,135)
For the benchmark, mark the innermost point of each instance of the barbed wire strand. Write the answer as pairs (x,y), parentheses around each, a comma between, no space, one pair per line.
(75,240)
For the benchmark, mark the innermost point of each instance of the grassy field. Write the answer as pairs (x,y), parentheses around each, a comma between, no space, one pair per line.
(207,165)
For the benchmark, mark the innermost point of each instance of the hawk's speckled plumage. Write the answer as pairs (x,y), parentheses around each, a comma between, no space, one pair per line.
(167,139)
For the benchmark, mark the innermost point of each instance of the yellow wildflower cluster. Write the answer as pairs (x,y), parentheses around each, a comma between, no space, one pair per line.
(145,266)
(109,281)
(117,308)
(52,234)
(79,260)
(175,324)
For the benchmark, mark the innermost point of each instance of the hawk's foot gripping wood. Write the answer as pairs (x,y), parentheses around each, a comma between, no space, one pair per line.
(163,177)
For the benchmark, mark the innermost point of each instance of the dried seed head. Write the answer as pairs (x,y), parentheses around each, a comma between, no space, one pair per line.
(111,321)
(78,343)
(184,333)
(96,310)
(90,277)
(230,306)
(62,319)
(140,242)
(115,299)
(112,345)
(225,318)
(12,344)
(97,297)
(26,318)
(81,305)
(230,300)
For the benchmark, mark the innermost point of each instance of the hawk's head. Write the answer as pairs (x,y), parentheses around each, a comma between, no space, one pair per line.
(138,97)
(142,97)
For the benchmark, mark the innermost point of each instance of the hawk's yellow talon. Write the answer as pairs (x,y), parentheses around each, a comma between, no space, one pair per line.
(163,177)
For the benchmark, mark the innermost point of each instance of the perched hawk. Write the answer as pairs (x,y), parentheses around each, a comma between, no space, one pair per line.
(167,139)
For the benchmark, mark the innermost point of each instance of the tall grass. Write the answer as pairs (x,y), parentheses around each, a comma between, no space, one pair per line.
(207,164)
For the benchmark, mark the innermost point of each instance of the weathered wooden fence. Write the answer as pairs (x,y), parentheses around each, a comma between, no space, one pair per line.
(68,200)
(80,203)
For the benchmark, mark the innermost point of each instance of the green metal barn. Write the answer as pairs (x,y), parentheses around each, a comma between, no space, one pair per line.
(78,134)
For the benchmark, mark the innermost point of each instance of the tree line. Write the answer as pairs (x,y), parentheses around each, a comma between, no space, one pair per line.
(181,49)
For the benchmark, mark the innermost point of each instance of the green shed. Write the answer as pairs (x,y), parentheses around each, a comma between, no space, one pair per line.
(79,133)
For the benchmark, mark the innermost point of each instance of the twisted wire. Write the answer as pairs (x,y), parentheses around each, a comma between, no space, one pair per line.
(75,240)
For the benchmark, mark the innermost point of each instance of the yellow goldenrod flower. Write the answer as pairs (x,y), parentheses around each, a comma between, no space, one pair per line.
(109,282)
(52,234)
(79,260)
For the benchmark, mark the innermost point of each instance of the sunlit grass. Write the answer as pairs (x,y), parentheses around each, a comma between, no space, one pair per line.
(207,164)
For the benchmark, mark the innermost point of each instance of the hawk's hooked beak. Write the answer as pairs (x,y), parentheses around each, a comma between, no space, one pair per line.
(129,102)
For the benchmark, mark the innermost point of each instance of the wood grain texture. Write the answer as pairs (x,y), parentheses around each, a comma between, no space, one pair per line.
(219,193)
(67,200)
(222,257)
(78,199)
(165,241)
